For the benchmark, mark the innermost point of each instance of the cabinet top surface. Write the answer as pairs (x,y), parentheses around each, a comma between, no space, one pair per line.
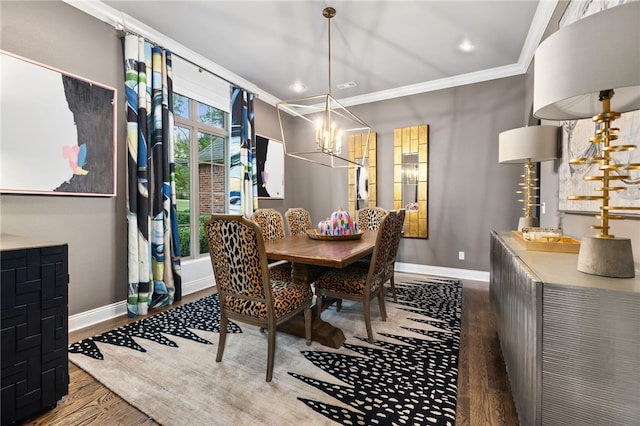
(562,268)
(16,242)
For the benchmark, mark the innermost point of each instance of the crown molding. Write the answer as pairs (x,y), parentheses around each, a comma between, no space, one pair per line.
(123,22)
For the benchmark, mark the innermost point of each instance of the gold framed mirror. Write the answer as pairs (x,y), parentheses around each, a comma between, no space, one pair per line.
(362,180)
(410,178)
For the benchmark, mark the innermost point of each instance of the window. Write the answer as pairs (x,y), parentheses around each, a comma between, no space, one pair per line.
(200,139)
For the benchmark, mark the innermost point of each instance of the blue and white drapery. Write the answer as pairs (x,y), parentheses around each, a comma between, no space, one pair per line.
(243,180)
(154,272)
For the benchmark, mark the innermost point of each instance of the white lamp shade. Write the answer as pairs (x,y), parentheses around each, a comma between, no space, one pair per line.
(598,52)
(538,143)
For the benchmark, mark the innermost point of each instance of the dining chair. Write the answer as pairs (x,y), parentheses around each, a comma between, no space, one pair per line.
(360,284)
(298,219)
(247,294)
(396,235)
(370,218)
(272,226)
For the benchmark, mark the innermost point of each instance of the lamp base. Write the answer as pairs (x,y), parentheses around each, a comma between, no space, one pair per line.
(527,222)
(607,257)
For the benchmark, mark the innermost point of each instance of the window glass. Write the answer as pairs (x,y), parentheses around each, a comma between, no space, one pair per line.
(180,106)
(210,115)
(182,138)
(201,174)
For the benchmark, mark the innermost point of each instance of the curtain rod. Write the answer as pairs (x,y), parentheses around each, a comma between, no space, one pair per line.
(121,31)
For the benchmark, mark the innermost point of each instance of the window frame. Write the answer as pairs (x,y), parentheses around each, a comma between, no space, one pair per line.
(196,127)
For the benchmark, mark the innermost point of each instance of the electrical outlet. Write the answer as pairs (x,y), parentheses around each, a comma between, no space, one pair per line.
(460,255)
(542,208)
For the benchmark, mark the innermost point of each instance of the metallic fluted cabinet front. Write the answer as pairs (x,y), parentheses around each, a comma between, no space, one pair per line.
(570,341)
(515,302)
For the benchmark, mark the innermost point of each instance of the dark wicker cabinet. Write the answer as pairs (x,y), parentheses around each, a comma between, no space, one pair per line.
(34,322)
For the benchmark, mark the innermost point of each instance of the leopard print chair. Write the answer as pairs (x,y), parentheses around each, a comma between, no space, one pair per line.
(272,226)
(299,220)
(240,267)
(390,263)
(360,284)
(370,218)
(396,235)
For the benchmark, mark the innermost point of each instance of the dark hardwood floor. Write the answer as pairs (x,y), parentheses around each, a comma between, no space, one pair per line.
(484,396)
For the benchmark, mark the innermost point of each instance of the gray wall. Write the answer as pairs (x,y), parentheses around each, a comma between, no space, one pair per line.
(61,36)
(469,192)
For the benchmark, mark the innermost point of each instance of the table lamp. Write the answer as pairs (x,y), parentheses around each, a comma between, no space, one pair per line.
(591,68)
(528,145)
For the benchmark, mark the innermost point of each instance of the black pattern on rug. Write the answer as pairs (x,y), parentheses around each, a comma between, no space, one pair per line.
(409,383)
(202,314)
(412,382)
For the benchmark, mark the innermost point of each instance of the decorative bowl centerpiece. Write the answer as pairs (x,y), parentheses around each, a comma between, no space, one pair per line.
(339,226)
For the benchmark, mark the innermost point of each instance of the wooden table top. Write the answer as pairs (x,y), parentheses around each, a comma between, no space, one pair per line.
(334,254)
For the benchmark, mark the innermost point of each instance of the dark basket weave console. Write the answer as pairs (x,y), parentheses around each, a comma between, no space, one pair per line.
(35,369)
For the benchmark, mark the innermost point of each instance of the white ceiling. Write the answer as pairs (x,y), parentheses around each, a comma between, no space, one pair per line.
(388,48)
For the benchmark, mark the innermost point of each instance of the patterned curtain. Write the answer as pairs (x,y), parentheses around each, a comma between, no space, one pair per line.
(243,181)
(153,252)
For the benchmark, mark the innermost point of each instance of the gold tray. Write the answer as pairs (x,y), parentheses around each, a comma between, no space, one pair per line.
(313,234)
(562,244)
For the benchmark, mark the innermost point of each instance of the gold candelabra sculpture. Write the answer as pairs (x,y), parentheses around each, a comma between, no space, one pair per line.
(529,189)
(597,256)
(609,172)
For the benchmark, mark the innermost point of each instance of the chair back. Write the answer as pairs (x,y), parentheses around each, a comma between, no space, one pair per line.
(271,223)
(396,234)
(298,219)
(381,251)
(370,218)
(240,267)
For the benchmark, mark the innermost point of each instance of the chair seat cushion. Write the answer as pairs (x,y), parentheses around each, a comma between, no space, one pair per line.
(287,296)
(281,272)
(349,280)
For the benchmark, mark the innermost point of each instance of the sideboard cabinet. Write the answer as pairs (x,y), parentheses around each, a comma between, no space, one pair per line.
(34,324)
(570,341)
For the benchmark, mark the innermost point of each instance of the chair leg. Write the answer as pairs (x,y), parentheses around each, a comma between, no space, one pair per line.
(271,349)
(319,306)
(393,289)
(383,306)
(338,305)
(223,336)
(367,319)
(307,325)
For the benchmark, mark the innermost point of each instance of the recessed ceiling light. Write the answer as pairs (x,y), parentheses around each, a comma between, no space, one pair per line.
(346,85)
(298,87)
(466,45)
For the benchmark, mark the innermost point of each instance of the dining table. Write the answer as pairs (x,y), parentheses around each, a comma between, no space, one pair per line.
(308,255)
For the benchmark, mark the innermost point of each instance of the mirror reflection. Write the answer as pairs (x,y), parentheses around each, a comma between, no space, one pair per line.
(362,183)
(410,181)
(362,180)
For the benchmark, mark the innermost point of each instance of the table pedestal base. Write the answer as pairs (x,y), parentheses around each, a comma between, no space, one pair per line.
(321,331)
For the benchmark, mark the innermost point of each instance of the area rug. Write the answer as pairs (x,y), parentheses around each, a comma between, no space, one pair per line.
(165,365)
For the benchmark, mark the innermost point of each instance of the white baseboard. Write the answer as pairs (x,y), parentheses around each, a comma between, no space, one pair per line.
(95,316)
(103,313)
(465,274)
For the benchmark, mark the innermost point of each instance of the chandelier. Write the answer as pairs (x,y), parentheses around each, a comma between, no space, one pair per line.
(322,123)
